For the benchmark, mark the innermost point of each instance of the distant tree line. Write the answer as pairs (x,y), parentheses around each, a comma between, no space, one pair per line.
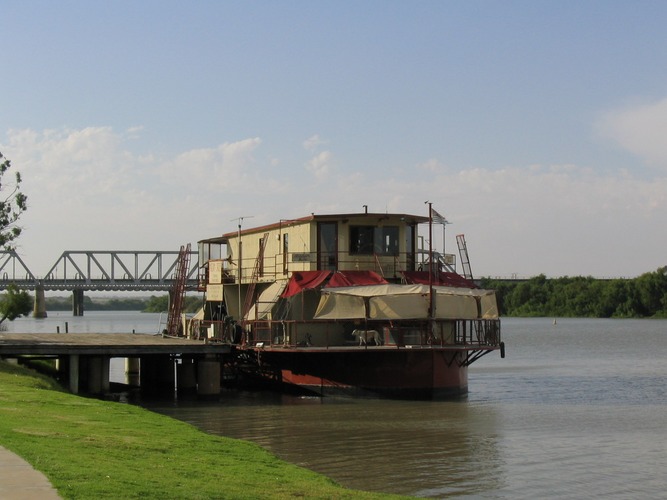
(161,304)
(641,297)
(144,304)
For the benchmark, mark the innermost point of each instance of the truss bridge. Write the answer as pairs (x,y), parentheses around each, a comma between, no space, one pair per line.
(101,270)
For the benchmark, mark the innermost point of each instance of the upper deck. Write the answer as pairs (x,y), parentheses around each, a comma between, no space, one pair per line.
(384,243)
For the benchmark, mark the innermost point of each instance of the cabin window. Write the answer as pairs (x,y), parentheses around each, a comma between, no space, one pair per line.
(369,240)
(361,240)
(327,250)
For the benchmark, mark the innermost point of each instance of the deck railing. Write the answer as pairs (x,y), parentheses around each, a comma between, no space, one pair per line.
(322,334)
(280,266)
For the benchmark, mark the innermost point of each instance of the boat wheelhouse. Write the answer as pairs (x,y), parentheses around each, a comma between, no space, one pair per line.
(346,304)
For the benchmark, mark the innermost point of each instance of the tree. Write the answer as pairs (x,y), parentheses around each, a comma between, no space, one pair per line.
(14,303)
(12,206)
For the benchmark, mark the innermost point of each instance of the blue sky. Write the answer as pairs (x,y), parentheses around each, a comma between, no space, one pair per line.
(538,128)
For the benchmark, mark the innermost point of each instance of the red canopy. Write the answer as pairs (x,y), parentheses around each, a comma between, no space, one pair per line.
(307,280)
(354,278)
(439,279)
(304,280)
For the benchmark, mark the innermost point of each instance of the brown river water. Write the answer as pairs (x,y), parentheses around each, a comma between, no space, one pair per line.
(575,410)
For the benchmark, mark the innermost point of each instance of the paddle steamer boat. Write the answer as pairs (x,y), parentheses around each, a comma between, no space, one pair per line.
(356,304)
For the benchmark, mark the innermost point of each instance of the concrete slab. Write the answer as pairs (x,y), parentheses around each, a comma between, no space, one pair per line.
(20,481)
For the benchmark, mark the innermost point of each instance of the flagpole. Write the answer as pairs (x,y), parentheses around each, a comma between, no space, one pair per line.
(430,260)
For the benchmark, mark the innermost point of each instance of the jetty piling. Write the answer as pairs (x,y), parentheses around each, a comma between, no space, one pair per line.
(155,364)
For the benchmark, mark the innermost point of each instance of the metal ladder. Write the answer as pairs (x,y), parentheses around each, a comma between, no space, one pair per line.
(463,252)
(250,293)
(178,292)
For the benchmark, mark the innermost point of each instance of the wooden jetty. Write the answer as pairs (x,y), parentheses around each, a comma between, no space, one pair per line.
(153,362)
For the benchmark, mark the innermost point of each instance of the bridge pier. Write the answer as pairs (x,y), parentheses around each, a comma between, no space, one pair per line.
(39,308)
(77,302)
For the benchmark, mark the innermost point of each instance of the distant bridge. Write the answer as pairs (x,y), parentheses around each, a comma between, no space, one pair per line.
(100,270)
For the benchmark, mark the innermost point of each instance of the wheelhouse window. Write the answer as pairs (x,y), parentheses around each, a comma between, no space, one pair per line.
(369,240)
(327,250)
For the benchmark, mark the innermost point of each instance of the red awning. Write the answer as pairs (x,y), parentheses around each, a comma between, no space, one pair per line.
(355,278)
(304,280)
(439,279)
(308,280)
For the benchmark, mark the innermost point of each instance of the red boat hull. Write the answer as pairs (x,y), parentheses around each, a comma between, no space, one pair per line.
(428,373)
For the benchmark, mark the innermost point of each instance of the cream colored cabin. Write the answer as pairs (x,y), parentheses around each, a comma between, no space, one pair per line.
(246,274)
(384,243)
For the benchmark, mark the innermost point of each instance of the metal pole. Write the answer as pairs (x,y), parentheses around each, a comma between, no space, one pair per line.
(239,259)
(430,260)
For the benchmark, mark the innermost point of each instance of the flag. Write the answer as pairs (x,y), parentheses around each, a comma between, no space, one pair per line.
(438,218)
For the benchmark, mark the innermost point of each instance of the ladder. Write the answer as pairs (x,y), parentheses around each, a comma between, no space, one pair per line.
(177,295)
(463,252)
(250,293)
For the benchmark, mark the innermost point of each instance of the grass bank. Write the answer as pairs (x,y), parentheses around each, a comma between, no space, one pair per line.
(99,449)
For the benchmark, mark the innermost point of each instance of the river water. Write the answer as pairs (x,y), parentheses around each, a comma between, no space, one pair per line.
(576,409)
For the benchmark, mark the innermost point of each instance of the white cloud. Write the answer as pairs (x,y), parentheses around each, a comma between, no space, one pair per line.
(88,191)
(313,142)
(320,164)
(226,166)
(432,165)
(640,129)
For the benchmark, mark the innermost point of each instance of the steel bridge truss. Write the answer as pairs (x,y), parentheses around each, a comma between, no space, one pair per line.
(140,270)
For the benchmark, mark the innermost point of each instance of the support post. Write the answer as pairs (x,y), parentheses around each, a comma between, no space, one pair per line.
(74,373)
(132,368)
(77,302)
(186,376)
(208,377)
(98,374)
(39,309)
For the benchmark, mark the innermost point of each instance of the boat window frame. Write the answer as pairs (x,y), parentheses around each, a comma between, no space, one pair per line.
(374,240)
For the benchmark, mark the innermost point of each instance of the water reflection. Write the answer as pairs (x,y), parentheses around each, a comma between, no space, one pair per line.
(417,448)
(577,409)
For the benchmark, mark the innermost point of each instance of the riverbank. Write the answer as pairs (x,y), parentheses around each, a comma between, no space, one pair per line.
(99,449)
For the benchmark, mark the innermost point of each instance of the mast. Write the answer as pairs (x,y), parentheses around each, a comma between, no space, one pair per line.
(430,261)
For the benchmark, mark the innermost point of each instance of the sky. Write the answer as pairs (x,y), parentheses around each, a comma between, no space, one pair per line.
(538,128)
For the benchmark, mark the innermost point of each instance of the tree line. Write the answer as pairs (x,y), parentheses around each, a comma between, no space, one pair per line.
(641,297)
(145,304)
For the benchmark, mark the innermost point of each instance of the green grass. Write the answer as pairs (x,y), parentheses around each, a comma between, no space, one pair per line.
(98,449)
